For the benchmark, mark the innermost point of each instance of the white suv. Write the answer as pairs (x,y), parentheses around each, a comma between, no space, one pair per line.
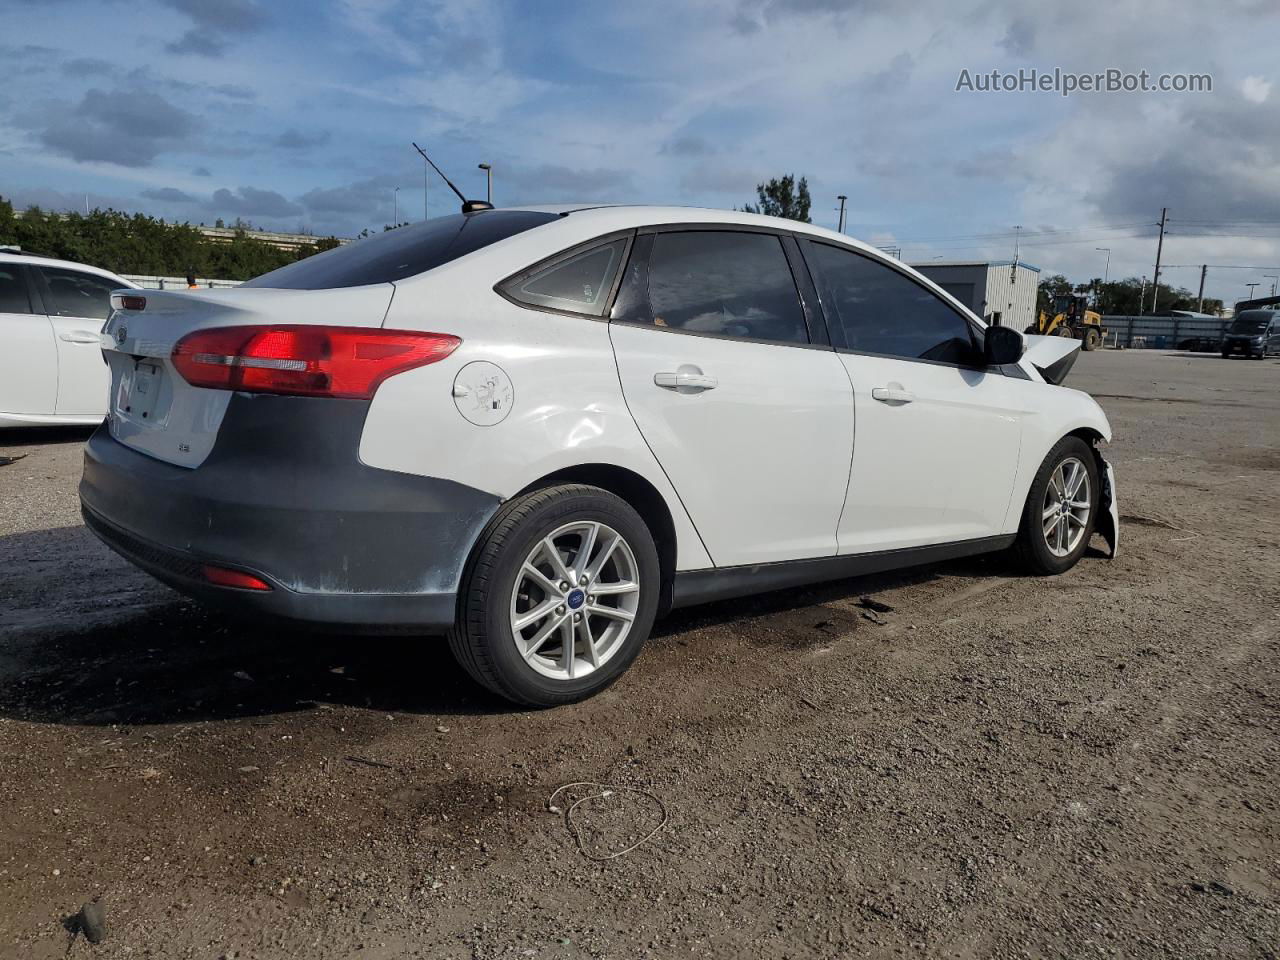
(537,429)
(51,312)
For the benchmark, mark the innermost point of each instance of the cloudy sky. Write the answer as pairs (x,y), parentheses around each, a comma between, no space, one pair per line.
(299,115)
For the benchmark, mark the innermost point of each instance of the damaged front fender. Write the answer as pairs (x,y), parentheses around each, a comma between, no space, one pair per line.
(1108,512)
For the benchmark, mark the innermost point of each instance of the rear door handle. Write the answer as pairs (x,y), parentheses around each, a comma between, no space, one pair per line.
(684,381)
(80,336)
(893,393)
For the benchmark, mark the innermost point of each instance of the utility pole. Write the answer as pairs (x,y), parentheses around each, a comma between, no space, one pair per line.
(1013,268)
(842,198)
(1273,278)
(1155,279)
(1142,296)
(395,204)
(1106,275)
(1204,268)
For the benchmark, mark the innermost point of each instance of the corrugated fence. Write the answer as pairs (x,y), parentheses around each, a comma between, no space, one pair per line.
(1163,333)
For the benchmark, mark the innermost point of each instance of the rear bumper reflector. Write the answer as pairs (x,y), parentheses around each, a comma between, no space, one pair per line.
(223,577)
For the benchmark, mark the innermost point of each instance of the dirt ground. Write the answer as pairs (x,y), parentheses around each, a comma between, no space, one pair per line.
(1005,767)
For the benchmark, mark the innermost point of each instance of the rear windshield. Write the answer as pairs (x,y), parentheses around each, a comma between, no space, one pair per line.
(1251,323)
(403,252)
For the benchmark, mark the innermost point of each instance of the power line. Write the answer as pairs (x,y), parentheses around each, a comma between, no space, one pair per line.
(1029,243)
(1222,220)
(1215,266)
(1010,234)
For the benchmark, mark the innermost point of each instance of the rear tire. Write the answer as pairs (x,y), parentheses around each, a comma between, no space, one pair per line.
(1056,529)
(1091,339)
(575,643)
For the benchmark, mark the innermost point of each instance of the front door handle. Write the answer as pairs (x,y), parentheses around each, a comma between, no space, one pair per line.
(894,393)
(80,336)
(686,381)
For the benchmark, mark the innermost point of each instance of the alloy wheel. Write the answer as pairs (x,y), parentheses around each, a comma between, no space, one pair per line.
(574,600)
(1067,504)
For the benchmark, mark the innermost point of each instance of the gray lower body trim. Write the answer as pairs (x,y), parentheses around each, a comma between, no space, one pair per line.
(284,496)
(705,586)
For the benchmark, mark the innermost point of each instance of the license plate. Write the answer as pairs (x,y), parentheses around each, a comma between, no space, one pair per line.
(141,391)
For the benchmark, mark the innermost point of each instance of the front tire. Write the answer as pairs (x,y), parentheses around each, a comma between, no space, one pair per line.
(1091,339)
(558,597)
(1061,509)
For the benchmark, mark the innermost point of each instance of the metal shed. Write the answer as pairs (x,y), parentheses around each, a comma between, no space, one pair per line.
(1001,291)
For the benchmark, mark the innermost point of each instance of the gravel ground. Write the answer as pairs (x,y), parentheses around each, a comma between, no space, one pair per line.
(1005,766)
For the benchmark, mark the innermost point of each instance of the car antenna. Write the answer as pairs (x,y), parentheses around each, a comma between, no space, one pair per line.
(468,206)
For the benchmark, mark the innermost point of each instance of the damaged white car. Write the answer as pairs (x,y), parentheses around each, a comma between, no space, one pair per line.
(536,430)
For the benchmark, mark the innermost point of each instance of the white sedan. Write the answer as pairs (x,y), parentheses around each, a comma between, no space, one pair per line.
(535,430)
(51,313)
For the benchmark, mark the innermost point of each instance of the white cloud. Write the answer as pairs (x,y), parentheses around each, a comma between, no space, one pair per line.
(1256,89)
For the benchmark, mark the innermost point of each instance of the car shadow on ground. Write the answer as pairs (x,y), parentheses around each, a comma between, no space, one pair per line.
(145,655)
(13,437)
(1211,355)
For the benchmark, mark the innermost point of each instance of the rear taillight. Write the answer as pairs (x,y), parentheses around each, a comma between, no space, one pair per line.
(304,360)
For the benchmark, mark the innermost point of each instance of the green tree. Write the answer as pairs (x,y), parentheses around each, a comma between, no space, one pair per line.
(782,197)
(1131,297)
(138,244)
(1054,285)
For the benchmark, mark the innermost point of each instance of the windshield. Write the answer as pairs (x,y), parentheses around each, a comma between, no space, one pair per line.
(1250,323)
(403,252)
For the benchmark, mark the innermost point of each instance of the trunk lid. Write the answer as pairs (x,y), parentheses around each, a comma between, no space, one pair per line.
(156,412)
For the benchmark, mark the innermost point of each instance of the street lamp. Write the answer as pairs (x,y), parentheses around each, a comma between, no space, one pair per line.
(842,198)
(395,205)
(1251,286)
(488,179)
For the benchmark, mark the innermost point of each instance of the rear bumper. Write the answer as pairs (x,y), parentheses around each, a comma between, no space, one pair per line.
(283,496)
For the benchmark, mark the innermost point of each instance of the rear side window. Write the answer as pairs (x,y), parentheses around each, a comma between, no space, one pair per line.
(880,310)
(404,252)
(725,283)
(76,294)
(579,283)
(13,290)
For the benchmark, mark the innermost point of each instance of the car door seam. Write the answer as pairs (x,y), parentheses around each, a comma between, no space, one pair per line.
(848,480)
(636,423)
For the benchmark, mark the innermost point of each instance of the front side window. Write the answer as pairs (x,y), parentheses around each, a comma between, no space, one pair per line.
(13,290)
(76,294)
(578,284)
(725,283)
(880,310)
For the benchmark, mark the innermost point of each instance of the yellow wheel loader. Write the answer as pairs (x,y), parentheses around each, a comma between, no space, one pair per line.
(1071,318)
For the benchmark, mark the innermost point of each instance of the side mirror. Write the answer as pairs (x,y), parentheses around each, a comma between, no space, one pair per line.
(1002,345)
